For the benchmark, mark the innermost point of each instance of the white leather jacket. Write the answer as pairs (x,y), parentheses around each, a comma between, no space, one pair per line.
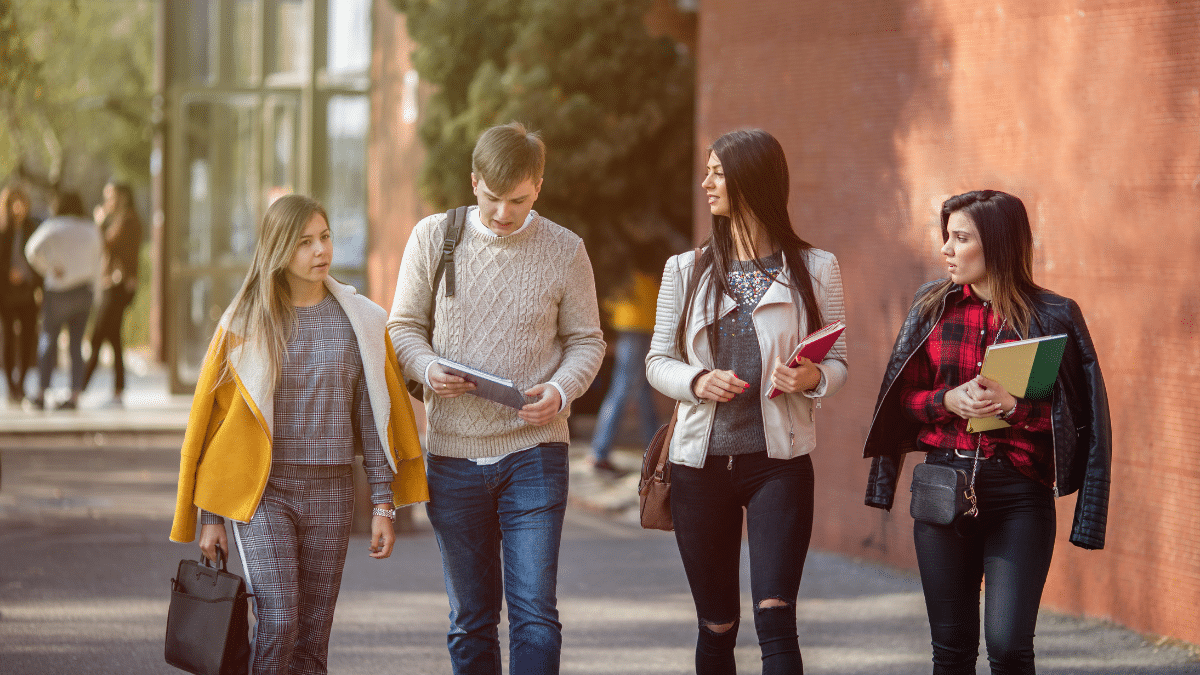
(788,419)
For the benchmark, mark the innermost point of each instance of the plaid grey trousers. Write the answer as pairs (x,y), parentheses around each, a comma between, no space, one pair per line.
(293,550)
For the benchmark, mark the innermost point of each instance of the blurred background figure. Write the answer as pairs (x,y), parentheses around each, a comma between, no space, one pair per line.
(121,236)
(65,250)
(631,315)
(18,301)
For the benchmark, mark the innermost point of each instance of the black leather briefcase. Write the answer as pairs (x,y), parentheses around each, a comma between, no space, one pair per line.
(207,624)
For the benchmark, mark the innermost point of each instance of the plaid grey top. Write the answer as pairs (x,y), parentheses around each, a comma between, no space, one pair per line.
(322,410)
(738,424)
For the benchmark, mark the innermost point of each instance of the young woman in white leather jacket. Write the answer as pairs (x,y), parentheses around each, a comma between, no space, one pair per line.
(724,325)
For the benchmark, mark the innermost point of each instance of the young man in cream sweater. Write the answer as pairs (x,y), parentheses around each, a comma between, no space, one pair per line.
(524,309)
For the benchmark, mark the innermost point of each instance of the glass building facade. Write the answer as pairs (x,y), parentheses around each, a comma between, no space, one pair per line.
(260,98)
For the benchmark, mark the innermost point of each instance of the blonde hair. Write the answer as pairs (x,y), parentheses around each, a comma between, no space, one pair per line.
(507,154)
(262,312)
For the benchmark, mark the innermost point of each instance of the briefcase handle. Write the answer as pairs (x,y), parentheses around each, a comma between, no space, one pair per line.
(206,564)
(220,556)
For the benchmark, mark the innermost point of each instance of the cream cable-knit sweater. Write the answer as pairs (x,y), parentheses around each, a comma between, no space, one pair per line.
(524,308)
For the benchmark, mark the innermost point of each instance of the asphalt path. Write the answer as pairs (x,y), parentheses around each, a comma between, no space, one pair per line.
(85,567)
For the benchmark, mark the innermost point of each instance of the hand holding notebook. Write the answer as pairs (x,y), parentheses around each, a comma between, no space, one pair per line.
(814,347)
(1025,368)
(487,385)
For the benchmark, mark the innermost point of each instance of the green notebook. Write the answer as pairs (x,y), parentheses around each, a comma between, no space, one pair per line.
(1026,368)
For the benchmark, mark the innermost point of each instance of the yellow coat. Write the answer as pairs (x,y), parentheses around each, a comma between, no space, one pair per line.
(634,310)
(226,454)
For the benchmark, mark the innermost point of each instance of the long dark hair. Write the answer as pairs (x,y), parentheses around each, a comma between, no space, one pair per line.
(1007,240)
(757,182)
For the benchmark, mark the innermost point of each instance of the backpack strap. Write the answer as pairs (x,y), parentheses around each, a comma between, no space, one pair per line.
(454,225)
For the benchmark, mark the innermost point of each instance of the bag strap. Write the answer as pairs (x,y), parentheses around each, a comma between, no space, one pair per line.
(213,565)
(454,225)
(665,453)
(971,497)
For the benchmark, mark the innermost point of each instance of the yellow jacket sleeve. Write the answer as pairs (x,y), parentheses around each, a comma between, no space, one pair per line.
(204,416)
(409,485)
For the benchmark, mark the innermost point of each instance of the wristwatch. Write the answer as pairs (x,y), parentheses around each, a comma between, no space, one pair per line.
(390,514)
(1006,415)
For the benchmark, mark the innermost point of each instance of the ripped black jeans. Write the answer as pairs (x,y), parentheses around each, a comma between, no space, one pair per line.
(706,505)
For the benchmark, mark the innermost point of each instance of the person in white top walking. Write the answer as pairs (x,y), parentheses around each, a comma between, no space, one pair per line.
(65,251)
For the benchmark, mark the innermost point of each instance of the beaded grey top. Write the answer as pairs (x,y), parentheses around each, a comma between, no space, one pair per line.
(738,424)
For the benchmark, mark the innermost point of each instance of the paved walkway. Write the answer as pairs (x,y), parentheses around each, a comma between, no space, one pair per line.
(149,415)
(858,617)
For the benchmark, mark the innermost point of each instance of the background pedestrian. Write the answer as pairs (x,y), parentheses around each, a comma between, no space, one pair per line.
(65,251)
(631,314)
(18,290)
(121,234)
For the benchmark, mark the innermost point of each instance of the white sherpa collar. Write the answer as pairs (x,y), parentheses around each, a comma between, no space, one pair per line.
(368,320)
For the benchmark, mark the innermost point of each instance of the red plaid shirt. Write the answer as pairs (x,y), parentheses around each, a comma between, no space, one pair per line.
(953,354)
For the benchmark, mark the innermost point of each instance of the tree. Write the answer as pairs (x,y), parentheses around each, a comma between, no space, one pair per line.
(75,90)
(613,104)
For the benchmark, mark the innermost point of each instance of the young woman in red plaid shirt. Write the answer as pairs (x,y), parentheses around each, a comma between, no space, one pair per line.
(1056,446)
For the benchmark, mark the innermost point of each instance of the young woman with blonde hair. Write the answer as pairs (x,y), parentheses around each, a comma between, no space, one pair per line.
(299,375)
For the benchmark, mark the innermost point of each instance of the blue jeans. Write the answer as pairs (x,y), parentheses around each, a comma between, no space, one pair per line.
(516,506)
(69,309)
(629,377)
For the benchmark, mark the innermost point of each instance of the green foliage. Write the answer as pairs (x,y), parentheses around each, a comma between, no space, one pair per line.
(613,104)
(75,89)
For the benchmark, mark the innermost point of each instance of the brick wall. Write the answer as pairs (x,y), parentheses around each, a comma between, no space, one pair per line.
(394,152)
(1089,111)
(394,156)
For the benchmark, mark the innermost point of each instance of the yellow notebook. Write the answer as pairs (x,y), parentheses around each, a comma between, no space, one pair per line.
(1025,368)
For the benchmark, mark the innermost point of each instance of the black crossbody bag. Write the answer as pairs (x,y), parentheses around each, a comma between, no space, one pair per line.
(941,495)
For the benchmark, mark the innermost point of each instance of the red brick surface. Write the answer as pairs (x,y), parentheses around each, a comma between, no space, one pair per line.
(1087,110)
(394,155)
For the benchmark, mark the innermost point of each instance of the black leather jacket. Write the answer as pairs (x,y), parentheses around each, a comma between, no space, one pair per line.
(1079,414)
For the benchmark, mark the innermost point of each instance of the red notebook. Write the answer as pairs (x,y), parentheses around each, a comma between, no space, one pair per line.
(814,348)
